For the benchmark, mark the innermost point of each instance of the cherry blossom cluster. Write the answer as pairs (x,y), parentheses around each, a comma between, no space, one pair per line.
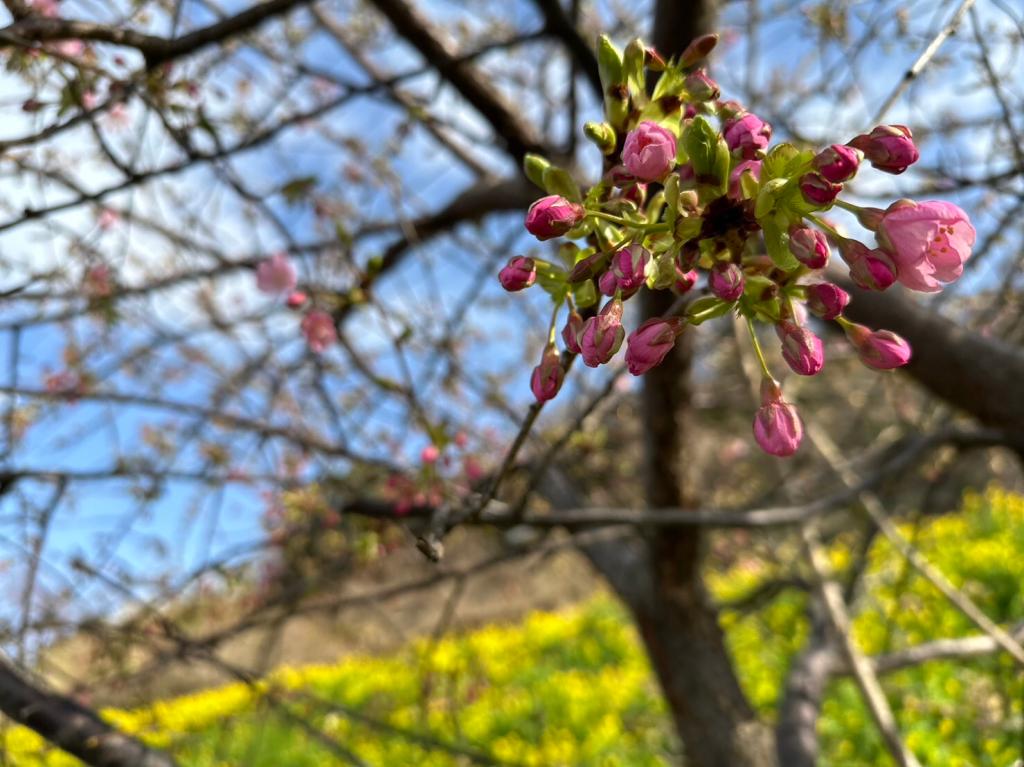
(696,200)
(277,276)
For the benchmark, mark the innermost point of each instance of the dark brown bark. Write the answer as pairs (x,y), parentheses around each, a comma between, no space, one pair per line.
(981,376)
(71,727)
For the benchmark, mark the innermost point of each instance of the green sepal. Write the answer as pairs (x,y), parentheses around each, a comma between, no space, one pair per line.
(584,294)
(552,280)
(558,181)
(609,63)
(534,167)
(706,308)
(775,240)
(633,68)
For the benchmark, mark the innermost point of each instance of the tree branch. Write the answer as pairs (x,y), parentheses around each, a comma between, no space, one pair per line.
(72,727)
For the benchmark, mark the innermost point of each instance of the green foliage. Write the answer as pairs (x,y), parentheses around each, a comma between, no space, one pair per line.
(574,688)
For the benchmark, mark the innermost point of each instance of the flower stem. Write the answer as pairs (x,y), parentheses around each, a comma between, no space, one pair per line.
(757,349)
(826,226)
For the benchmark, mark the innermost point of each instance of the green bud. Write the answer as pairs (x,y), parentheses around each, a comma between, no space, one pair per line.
(602,134)
(708,152)
(609,63)
(534,166)
(558,181)
(633,66)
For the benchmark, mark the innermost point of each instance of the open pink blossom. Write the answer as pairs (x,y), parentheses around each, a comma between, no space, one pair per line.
(777,426)
(647,346)
(649,152)
(276,274)
(318,328)
(929,241)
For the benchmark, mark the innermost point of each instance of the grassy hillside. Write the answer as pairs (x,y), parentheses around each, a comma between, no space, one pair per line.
(573,687)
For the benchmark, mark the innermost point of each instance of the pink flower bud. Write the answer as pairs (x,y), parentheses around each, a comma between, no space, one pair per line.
(777,426)
(810,247)
(98,282)
(700,87)
(746,134)
(518,274)
(685,280)
(430,454)
(752,167)
(870,269)
(602,335)
(296,300)
(826,300)
(929,242)
(625,272)
(548,375)
(888,147)
(649,152)
(276,274)
(879,349)
(818,190)
(318,328)
(801,349)
(726,281)
(649,343)
(838,163)
(571,332)
(553,216)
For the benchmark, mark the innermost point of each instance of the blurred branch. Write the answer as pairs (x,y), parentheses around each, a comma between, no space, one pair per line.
(519,137)
(860,667)
(70,726)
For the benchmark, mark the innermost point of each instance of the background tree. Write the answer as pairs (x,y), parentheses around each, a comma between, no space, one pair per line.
(158,409)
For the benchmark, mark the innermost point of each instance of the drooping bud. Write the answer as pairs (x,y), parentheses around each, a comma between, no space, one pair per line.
(838,163)
(602,335)
(649,343)
(818,190)
(296,300)
(700,87)
(870,269)
(777,426)
(826,300)
(571,332)
(801,349)
(553,216)
(879,349)
(548,375)
(518,274)
(889,148)
(649,152)
(626,272)
(747,134)
(810,247)
(697,50)
(726,281)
